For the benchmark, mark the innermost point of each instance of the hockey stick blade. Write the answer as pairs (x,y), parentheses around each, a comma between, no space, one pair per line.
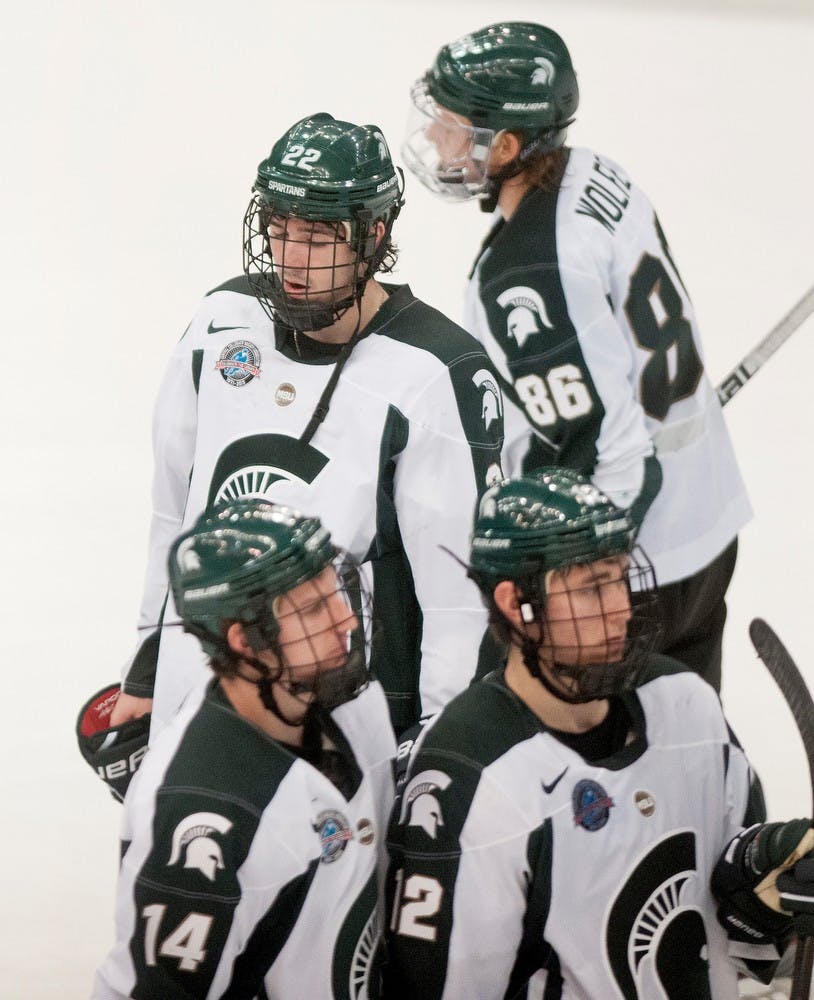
(793,687)
(760,354)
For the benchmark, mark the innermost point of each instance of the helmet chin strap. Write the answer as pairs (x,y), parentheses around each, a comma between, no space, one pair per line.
(264,683)
(331,688)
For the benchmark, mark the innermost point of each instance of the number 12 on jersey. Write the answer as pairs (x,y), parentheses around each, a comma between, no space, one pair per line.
(418,899)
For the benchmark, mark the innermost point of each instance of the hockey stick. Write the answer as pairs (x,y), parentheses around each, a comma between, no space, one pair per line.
(760,354)
(793,688)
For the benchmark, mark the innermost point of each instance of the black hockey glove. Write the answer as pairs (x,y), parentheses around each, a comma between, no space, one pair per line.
(114,754)
(744,881)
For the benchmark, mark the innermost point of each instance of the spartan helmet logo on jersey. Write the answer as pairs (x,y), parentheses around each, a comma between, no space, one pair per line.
(421,802)
(192,840)
(491,402)
(527,313)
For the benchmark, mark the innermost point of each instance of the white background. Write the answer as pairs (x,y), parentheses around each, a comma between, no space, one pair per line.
(130,135)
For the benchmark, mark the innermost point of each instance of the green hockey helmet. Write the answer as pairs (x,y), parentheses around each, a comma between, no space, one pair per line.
(554,520)
(325,171)
(512,75)
(322,169)
(545,521)
(235,560)
(508,75)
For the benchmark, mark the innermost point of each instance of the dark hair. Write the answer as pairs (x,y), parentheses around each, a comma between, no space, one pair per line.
(223,661)
(544,170)
(390,258)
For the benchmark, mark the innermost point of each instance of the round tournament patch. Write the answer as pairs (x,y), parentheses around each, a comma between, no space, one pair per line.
(592,805)
(239,362)
(334,834)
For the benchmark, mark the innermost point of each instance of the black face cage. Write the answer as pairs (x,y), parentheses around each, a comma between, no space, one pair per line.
(316,308)
(592,676)
(329,655)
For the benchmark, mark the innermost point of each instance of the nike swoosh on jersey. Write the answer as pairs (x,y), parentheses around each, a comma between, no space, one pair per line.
(219,329)
(548,789)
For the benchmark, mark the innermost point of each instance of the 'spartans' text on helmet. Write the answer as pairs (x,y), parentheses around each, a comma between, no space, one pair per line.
(292,189)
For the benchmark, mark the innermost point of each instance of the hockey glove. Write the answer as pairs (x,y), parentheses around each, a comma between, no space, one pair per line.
(744,880)
(114,754)
(796,888)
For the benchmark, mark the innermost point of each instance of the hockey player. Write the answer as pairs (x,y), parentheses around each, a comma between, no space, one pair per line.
(308,381)
(253,833)
(578,302)
(560,821)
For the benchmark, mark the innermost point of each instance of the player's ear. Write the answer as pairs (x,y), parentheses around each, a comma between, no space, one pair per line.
(505,148)
(238,641)
(508,602)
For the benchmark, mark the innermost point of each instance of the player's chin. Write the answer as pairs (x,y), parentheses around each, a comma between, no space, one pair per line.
(334,663)
(615,652)
(597,655)
(608,650)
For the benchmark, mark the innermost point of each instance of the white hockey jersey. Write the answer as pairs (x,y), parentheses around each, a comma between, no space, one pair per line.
(580,306)
(246,872)
(412,438)
(516,860)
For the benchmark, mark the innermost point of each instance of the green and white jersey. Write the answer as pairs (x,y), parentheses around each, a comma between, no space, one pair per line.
(580,306)
(245,871)
(412,438)
(519,869)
